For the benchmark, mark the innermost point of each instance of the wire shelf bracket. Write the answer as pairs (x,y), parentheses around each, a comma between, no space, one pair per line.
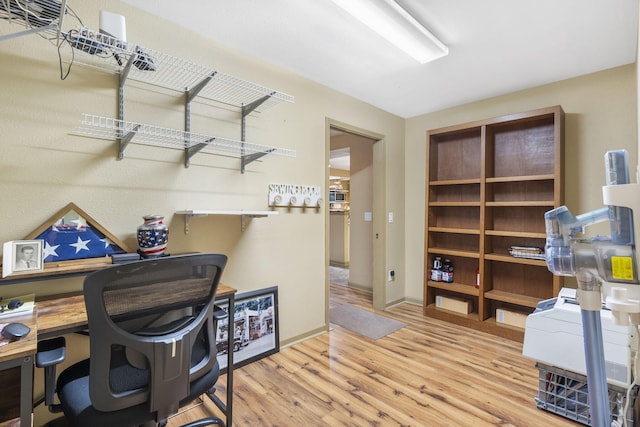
(29,31)
(125,140)
(193,150)
(246,110)
(248,158)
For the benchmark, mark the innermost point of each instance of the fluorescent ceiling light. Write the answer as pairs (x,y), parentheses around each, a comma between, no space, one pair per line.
(391,21)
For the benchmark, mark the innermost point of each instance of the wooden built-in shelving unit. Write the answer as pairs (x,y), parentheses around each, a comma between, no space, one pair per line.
(489,184)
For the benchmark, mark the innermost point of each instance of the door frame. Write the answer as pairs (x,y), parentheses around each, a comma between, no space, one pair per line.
(379,208)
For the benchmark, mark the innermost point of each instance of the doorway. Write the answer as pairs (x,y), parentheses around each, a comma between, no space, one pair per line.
(354,208)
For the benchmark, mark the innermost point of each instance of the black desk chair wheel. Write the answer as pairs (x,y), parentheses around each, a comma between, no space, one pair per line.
(152,344)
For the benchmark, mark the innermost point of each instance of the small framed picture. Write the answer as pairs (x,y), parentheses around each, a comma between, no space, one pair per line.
(254,328)
(22,256)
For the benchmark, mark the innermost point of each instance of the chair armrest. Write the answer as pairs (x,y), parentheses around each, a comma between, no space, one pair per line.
(51,352)
(219,313)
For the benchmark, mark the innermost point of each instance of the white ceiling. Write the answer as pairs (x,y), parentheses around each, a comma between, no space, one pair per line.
(496,46)
(340,159)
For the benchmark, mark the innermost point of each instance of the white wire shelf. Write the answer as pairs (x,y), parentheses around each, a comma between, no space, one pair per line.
(160,69)
(140,133)
(33,17)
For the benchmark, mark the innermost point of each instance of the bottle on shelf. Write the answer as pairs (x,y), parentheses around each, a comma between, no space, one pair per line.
(436,270)
(447,271)
(477,278)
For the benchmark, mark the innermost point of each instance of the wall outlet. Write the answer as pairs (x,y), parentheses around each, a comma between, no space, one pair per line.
(391,275)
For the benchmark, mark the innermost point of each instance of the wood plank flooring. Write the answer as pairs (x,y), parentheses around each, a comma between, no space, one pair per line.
(429,373)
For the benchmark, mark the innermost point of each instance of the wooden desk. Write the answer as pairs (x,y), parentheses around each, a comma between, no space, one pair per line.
(20,354)
(61,316)
(66,315)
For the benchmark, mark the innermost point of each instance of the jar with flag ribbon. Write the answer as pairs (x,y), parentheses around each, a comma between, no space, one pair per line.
(153,236)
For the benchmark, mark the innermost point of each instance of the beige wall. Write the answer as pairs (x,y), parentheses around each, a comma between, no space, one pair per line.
(43,166)
(339,239)
(361,243)
(600,115)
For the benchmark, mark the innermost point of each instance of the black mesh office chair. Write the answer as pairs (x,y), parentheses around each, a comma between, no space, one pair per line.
(152,343)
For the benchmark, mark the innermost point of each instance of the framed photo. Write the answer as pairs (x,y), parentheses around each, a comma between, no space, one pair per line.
(22,256)
(254,328)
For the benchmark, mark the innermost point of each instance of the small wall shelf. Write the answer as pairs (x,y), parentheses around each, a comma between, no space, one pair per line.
(245,215)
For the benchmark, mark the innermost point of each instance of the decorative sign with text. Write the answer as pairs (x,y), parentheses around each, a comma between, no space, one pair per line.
(295,195)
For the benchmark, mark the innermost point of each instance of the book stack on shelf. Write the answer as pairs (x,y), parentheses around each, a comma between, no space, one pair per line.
(11,308)
(14,306)
(527,252)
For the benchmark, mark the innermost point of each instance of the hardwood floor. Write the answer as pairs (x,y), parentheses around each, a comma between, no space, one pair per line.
(429,373)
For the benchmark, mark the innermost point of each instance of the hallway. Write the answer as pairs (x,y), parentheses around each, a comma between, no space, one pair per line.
(338,276)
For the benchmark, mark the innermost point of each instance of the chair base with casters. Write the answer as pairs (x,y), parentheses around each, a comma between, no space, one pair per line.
(75,379)
(52,352)
(152,328)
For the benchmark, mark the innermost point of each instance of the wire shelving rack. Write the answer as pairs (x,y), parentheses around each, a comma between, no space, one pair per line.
(36,18)
(149,66)
(192,143)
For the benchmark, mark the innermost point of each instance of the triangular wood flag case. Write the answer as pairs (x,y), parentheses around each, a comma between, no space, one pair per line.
(74,242)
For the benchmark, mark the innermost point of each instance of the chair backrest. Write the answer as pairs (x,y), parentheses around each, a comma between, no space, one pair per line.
(151,330)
